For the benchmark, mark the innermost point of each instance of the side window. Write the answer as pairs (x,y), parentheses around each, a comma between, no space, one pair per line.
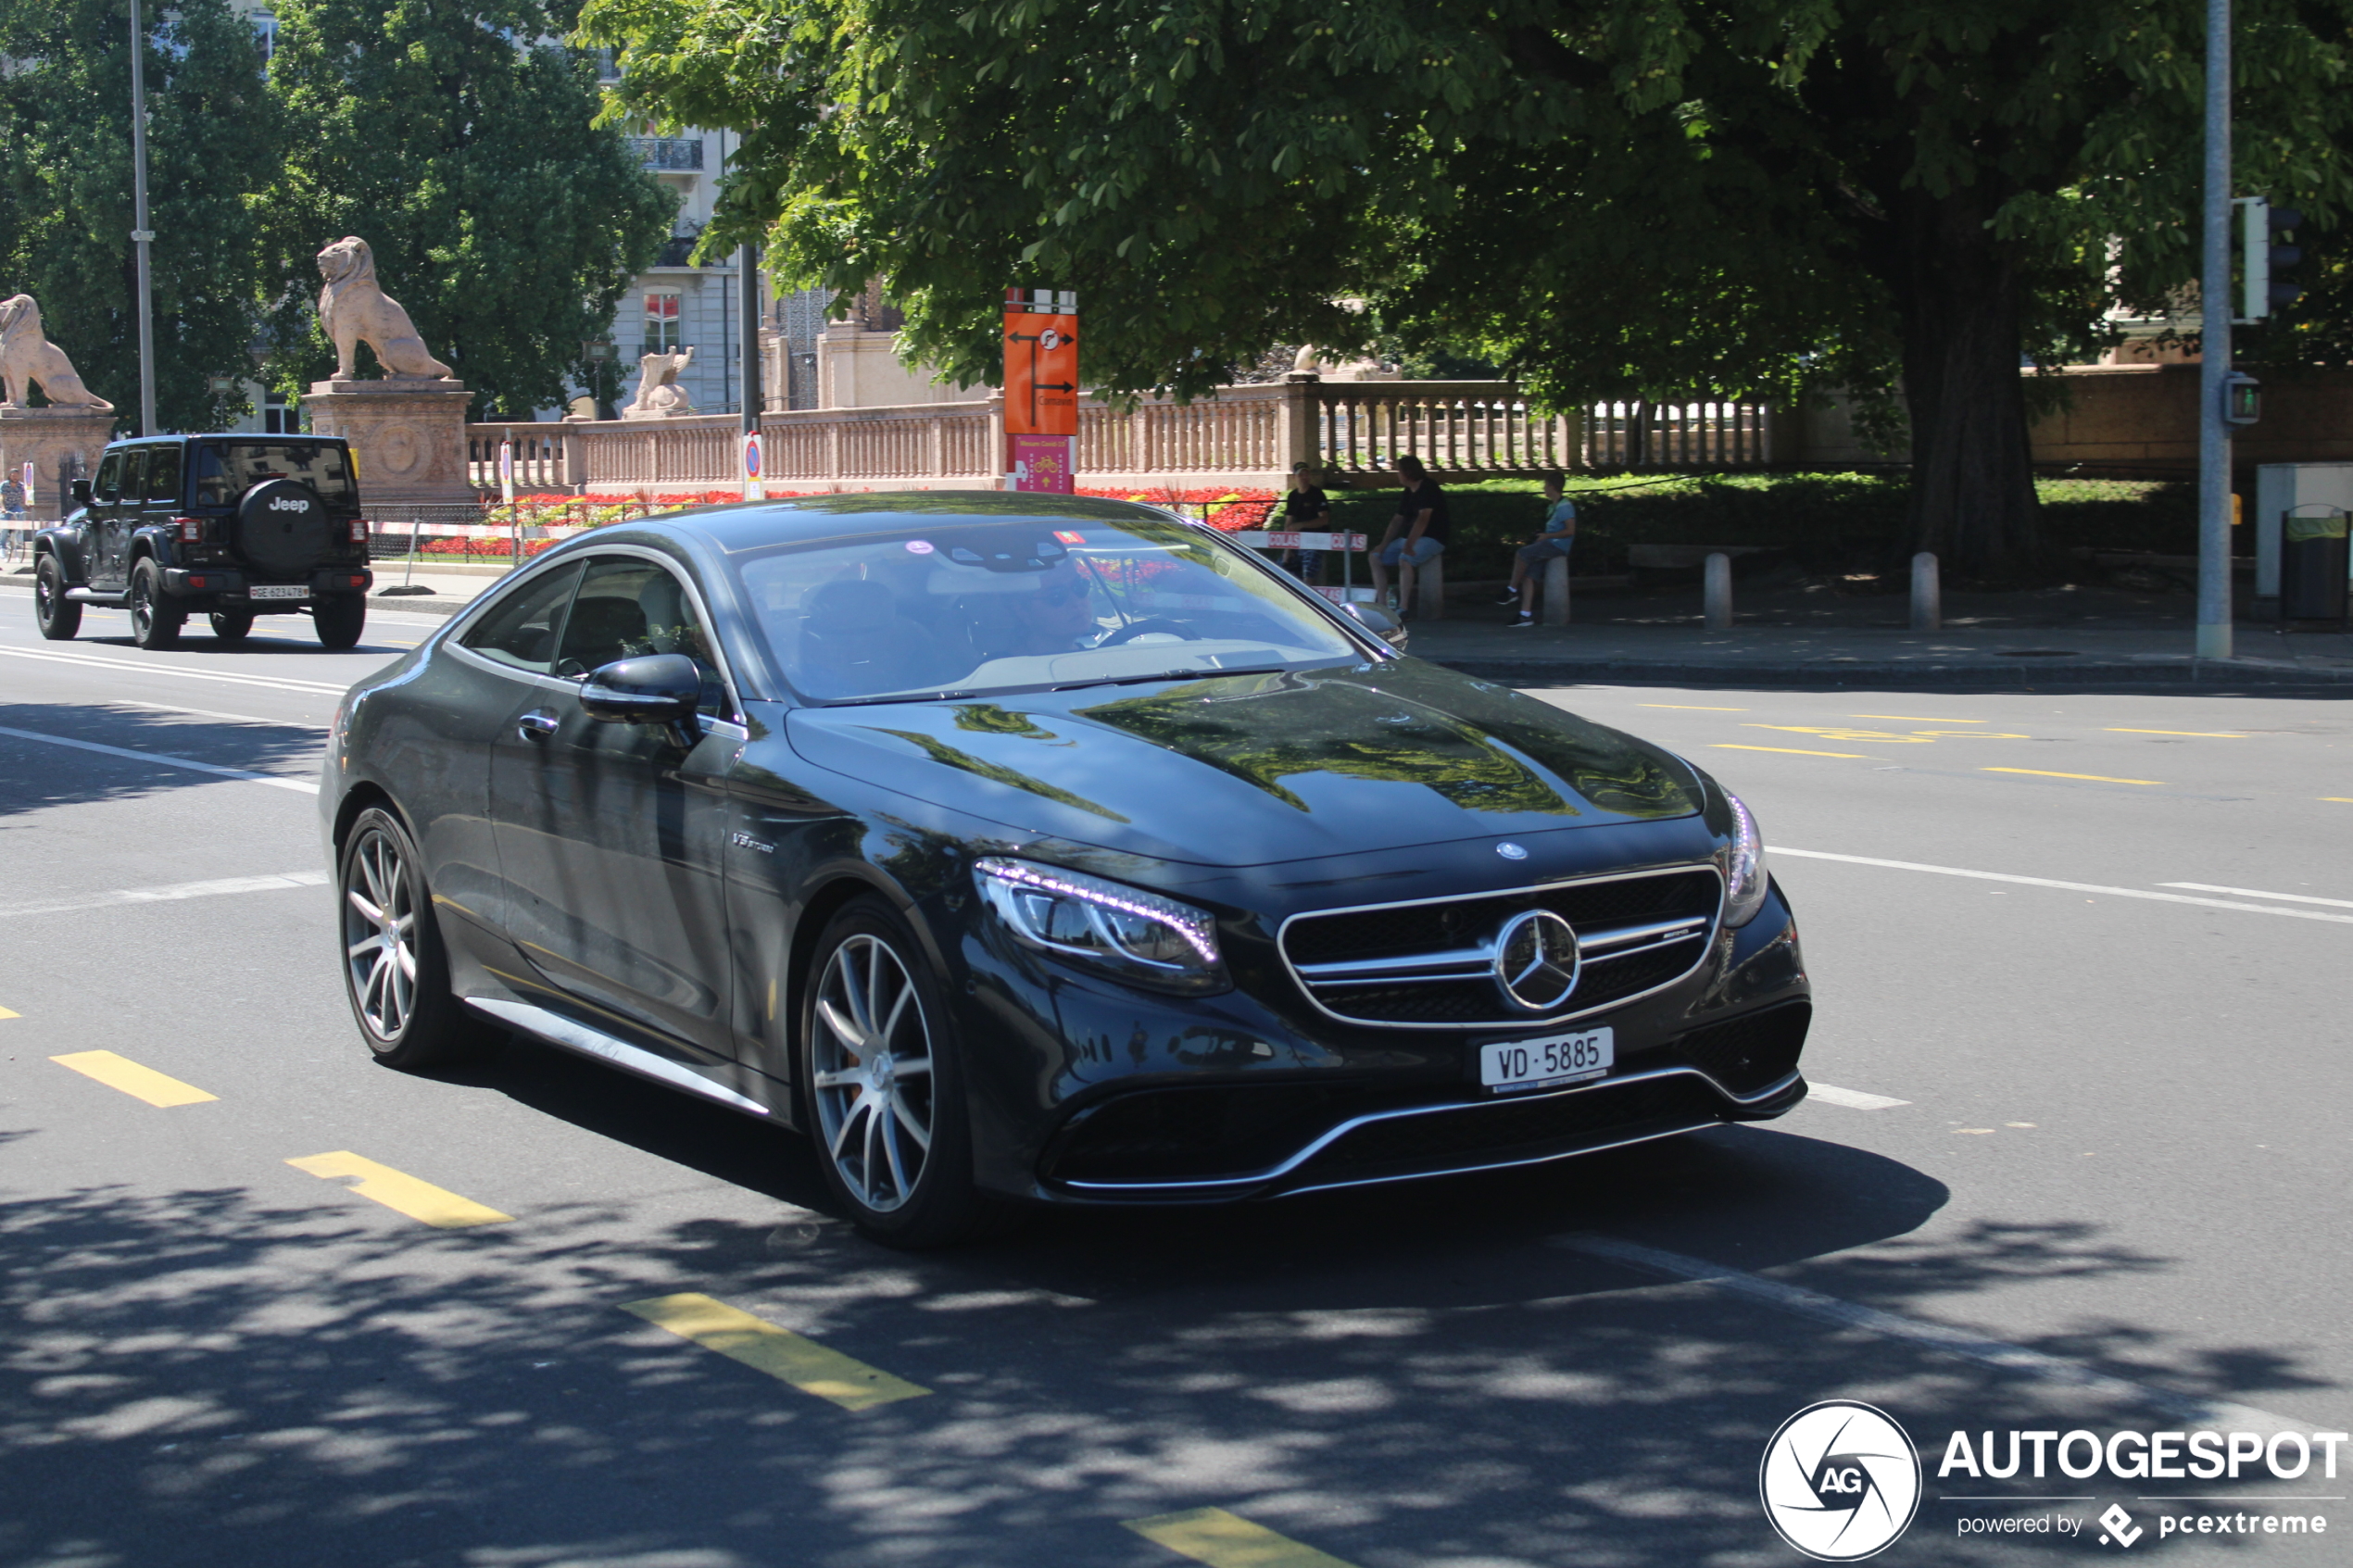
(134,476)
(163,475)
(520,630)
(109,478)
(628,607)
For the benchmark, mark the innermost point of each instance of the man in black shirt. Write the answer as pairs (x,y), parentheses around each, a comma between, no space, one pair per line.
(1421,516)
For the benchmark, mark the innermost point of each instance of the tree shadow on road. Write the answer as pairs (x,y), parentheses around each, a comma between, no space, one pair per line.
(38,775)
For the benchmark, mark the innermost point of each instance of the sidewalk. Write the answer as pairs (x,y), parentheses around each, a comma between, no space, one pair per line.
(1788,628)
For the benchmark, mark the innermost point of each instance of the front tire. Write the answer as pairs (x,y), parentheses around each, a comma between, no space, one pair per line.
(396,972)
(59,617)
(156,618)
(340,620)
(884,1094)
(231,626)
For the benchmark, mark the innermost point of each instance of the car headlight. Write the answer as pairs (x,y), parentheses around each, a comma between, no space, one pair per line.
(1743,860)
(1133,935)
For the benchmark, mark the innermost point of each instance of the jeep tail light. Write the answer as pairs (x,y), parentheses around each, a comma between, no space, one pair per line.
(191,529)
(359,530)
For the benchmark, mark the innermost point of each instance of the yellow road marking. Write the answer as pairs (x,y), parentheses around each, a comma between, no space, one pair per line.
(1227,1540)
(1689,707)
(779,1352)
(140,1082)
(400,1192)
(1917,719)
(2335,799)
(1789,750)
(2095,778)
(2207,735)
(6,1013)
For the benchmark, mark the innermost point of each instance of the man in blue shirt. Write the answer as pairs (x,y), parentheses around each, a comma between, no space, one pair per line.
(1560,533)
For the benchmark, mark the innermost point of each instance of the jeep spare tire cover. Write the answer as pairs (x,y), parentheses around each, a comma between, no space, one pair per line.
(283,527)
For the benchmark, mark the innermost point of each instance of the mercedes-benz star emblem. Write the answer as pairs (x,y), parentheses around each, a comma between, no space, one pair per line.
(1511,852)
(1536,961)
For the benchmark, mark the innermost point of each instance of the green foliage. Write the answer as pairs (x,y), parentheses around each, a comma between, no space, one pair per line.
(505,224)
(66,192)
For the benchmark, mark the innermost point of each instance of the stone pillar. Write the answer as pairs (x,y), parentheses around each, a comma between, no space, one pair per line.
(62,445)
(407,436)
(1300,409)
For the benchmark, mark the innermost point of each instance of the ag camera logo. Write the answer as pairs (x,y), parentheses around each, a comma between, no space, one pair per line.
(288,503)
(1840,1481)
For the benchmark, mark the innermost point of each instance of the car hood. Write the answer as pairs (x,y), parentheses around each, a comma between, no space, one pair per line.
(1253,770)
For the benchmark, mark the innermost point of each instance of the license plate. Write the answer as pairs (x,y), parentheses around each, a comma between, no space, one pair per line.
(277,591)
(1511,1067)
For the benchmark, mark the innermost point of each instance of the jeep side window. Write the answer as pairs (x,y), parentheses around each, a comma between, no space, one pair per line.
(134,476)
(163,475)
(109,477)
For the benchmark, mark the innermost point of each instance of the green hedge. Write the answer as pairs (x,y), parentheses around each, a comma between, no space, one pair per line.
(1824,521)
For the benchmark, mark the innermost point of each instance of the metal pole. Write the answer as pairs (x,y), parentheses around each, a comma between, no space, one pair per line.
(139,233)
(748,329)
(2214,293)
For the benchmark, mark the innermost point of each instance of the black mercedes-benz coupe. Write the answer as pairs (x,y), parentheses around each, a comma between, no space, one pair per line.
(1017,847)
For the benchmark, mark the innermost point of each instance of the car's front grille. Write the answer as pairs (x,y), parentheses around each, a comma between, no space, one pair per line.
(1431,964)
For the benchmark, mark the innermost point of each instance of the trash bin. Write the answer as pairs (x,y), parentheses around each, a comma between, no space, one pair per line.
(2315,557)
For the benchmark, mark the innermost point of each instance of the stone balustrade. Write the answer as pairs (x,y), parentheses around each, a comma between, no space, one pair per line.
(545,458)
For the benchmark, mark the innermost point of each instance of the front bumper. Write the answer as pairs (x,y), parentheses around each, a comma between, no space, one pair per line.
(1229,1097)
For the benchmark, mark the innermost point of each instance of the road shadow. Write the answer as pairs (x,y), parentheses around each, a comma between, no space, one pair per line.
(38,774)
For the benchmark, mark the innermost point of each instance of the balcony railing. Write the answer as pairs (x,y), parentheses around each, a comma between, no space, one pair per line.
(667,152)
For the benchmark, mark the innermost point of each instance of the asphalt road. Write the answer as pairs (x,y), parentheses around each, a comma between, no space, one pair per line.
(2110,1193)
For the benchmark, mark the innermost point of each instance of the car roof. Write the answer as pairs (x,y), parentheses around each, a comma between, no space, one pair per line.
(218,435)
(752,525)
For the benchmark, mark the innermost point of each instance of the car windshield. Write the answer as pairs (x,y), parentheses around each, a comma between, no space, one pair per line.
(226,470)
(992,606)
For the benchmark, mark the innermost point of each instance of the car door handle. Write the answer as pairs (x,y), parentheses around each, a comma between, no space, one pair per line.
(537,725)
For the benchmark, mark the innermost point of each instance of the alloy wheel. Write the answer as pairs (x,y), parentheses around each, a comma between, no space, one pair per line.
(380,935)
(872,1077)
(143,611)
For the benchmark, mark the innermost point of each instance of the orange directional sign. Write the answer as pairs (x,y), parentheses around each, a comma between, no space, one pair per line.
(1041,365)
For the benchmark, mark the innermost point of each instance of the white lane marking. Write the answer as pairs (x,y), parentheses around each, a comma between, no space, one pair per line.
(148,667)
(2258,893)
(2220,1413)
(2065,886)
(1853,1100)
(174,891)
(208,713)
(165,759)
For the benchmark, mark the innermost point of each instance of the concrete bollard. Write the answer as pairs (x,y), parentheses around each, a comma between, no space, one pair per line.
(1556,591)
(1430,588)
(1719,592)
(1928,598)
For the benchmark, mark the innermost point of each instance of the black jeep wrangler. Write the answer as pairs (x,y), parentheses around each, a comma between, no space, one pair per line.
(226,526)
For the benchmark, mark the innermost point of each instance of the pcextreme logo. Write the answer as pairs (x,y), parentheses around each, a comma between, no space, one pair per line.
(1840,1481)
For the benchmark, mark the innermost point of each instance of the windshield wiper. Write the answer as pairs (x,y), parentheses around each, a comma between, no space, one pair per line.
(1171,675)
(899,696)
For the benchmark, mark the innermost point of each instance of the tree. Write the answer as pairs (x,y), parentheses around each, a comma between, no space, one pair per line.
(1661,199)
(65,189)
(460,144)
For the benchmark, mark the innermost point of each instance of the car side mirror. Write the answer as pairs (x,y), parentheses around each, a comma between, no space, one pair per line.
(82,495)
(1379,621)
(657,688)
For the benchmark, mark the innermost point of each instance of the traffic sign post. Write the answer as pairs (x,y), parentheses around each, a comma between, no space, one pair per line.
(506,472)
(753,489)
(1041,390)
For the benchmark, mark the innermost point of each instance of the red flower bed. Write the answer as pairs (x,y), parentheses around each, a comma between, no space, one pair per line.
(1229,511)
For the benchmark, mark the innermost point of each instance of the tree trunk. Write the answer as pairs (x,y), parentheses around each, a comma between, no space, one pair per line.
(1973,500)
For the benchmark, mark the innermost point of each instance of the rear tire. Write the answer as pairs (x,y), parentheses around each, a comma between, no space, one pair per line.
(156,617)
(883,1089)
(231,626)
(59,617)
(339,621)
(395,972)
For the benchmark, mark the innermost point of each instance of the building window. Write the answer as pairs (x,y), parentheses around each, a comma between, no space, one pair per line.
(273,414)
(267,26)
(662,320)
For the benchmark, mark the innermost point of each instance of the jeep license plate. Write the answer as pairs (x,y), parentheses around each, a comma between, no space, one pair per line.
(1516,1066)
(277,591)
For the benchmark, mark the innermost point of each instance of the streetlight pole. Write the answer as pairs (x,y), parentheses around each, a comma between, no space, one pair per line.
(139,233)
(2214,338)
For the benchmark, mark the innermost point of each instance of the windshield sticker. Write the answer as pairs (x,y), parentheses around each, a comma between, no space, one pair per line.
(919,547)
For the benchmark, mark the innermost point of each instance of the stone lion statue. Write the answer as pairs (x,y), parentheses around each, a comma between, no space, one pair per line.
(353,307)
(26,356)
(658,388)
